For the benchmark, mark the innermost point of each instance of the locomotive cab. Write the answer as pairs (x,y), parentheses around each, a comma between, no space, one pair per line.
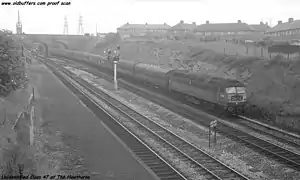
(236,98)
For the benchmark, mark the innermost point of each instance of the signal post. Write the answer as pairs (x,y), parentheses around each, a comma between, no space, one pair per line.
(115,75)
(116,59)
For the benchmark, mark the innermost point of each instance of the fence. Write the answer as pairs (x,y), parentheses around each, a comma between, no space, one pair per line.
(24,124)
(32,115)
(16,154)
(289,50)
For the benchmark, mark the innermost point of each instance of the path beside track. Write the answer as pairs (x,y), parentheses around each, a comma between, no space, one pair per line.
(82,131)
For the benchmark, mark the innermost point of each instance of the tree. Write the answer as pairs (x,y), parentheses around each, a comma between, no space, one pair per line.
(11,65)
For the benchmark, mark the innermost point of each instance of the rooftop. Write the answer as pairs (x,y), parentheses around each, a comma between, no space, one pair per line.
(260,27)
(182,25)
(224,27)
(291,24)
(145,26)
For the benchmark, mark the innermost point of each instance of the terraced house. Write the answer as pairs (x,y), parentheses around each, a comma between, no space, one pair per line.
(290,28)
(223,29)
(261,27)
(183,28)
(131,30)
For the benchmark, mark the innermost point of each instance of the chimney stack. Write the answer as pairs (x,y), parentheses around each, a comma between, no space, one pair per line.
(279,22)
(181,22)
(261,23)
(207,22)
(165,23)
(127,22)
(194,23)
(291,20)
(146,24)
(239,21)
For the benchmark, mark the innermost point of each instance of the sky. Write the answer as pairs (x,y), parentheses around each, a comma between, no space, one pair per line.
(111,14)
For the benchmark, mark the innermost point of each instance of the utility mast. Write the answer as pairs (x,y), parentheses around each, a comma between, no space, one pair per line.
(96,29)
(19,25)
(66,27)
(80,26)
(270,21)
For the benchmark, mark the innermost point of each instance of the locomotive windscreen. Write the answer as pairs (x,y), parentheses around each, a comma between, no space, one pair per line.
(231,90)
(236,94)
(240,89)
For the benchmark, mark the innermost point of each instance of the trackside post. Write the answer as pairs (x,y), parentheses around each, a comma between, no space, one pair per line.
(115,75)
(212,125)
(209,137)
(215,129)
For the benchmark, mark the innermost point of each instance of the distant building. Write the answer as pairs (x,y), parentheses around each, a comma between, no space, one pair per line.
(290,28)
(129,30)
(220,29)
(182,27)
(183,30)
(261,28)
(101,35)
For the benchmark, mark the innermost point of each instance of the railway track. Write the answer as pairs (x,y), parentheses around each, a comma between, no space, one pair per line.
(202,163)
(274,151)
(290,141)
(271,150)
(162,169)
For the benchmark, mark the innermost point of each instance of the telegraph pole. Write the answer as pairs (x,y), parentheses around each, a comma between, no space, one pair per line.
(96,29)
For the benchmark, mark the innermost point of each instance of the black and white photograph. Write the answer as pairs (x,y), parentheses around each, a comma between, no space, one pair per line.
(150,89)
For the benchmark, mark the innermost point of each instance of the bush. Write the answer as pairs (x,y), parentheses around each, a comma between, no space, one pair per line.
(11,65)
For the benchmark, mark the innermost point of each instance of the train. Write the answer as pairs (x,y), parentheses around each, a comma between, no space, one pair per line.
(228,94)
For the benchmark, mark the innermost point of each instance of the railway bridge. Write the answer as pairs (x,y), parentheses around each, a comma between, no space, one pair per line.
(72,42)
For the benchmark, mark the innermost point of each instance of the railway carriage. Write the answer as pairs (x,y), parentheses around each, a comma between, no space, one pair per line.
(58,52)
(149,74)
(79,56)
(125,68)
(101,61)
(95,59)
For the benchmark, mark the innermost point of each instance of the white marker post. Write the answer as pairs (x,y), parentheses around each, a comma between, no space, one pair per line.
(116,59)
(115,75)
